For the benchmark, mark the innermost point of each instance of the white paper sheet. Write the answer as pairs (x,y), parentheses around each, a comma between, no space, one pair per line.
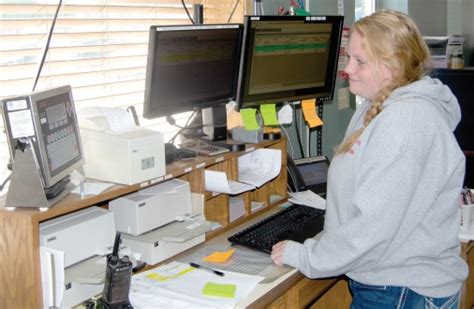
(308,198)
(236,208)
(285,114)
(178,285)
(259,166)
(117,120)
(92,188)
(217,182)
(21,123)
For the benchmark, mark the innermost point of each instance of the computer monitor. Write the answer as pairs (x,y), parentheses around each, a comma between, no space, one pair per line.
(460,82)
(288,58)
(46,122)
(191,67)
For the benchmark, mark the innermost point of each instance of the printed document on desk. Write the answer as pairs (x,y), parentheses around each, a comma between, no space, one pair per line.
(259,166)
(308,198)
(243,261)
(178,285)
(217,182)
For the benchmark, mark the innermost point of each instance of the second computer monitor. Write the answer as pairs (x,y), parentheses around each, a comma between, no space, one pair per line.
(288,58)
(191,66)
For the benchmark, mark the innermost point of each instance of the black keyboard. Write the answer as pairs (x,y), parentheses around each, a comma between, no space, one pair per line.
(296,222)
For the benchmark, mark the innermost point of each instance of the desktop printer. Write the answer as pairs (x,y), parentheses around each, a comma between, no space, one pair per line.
(127,157)
(85,237)
(157,222)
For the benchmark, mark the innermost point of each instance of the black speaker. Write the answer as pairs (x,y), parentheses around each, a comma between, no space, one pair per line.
(214,123)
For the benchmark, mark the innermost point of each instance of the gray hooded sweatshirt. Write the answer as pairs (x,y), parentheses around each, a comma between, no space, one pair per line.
(392,213)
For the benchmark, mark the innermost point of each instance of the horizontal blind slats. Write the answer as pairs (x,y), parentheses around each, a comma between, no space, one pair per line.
(120,68)
(99,47)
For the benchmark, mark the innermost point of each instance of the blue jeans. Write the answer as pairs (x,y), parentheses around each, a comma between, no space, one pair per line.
(381,297)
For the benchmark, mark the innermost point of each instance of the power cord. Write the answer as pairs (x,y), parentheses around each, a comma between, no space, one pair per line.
(45,52)
(4,183)
(187,12)
(172,121)
(298,135)
(233,11)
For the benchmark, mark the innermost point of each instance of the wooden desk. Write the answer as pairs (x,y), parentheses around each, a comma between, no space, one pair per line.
(20,271)
(290,290)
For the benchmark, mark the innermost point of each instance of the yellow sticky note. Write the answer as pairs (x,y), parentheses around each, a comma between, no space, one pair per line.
(309,112)
(249,117)
(269,114)
(162,277)
(219,256)
(219,289)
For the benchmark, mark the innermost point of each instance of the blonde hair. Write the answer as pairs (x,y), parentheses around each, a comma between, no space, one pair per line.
(392,39)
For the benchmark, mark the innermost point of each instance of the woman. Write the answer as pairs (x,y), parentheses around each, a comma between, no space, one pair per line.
(392,215)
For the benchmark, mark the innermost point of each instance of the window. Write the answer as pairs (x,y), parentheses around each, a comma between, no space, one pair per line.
(364,8)
(99,47)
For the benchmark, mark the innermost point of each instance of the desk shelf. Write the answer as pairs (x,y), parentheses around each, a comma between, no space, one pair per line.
(20,271)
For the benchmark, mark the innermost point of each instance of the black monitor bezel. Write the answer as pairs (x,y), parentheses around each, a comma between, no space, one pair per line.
(459,82)
(323,93)
(150,92)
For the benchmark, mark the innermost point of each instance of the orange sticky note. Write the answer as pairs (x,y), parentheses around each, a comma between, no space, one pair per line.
(219,256)
(309,112)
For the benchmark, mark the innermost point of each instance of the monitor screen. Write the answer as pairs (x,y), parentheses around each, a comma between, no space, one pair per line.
(288,58)
(314,170)
(191,66)
(460,82)
(47,121)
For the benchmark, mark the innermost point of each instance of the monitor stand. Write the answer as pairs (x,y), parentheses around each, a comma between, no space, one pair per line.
(194,128)
(210,126)
(26,187)
(57,188)
(271,134)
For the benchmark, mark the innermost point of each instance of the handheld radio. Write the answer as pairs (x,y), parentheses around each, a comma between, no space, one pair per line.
(118,276)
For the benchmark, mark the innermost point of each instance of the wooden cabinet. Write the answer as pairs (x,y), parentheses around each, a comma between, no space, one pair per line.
(319,293)
(467,299)
(20,272)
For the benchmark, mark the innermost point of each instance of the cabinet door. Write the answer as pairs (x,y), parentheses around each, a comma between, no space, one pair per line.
(337,297)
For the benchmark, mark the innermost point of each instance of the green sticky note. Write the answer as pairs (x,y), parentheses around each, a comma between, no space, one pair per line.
(249,117)
(301,12)
(220,290)
(269,114)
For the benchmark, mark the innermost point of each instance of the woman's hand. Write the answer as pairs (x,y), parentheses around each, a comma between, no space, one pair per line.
(277,252)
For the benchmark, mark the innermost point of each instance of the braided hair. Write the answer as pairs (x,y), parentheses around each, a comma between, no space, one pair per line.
(392,39)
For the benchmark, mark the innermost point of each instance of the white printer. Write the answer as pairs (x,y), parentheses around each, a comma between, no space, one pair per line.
(157,222)
(85,237)
(127,157)
(152,207)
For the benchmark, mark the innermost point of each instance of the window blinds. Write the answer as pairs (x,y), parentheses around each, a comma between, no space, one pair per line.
(99,47)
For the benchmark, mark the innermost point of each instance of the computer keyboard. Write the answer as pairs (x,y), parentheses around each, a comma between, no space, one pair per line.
(296,222)
(203,148)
